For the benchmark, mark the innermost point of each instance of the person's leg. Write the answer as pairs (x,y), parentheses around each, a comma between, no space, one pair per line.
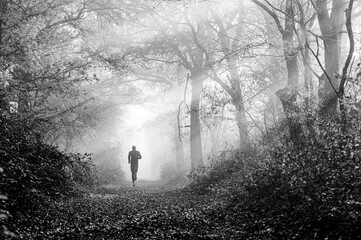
(132,170)
(135,171)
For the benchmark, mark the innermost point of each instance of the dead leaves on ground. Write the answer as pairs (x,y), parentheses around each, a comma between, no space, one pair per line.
(129,213)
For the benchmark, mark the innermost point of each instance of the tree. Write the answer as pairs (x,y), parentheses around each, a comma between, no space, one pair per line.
(300,17)
(194,62)
(287,95)
(331,21)
(49,71)
(229,56)
(169,42)
(229,34)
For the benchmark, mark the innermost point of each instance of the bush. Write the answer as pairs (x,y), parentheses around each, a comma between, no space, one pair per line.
(219,175)
(35,174)
(310,191)
(3,212)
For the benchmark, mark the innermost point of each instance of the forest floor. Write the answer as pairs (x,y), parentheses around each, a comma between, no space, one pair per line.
(149,210)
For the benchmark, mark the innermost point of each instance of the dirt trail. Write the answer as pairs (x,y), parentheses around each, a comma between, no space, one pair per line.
(148,211)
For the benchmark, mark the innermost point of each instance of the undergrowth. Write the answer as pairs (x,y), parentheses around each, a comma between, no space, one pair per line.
(307,191)
(33,174)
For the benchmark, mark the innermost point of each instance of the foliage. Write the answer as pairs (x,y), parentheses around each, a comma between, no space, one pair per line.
(36,173)
(229,163)
(307,191)
(45,69)
(311,190)
(284,191)
(4,214)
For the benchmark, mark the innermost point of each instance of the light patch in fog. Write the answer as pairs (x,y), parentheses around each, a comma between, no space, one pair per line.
(133,133)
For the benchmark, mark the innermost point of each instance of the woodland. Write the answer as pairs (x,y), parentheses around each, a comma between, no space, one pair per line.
(255,114)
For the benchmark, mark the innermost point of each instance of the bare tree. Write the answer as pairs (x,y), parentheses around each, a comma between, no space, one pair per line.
(229,37)
(287,95)
(330,17)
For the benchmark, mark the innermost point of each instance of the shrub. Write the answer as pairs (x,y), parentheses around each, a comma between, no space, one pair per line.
(280,190)
(4,214)
(311,190)
(35,174)
(217,175)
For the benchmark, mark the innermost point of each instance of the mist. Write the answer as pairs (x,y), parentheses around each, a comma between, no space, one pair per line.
(184,82)
(141,131)
(195,119)
(161,48)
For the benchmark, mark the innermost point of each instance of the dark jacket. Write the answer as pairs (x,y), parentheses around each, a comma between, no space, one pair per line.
(133,157)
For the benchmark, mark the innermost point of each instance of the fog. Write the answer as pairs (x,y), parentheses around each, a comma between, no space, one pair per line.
(149,103)
(147,139)
(154,61)
(232,104)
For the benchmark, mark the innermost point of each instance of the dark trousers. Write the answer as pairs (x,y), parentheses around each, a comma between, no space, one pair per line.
(134,169)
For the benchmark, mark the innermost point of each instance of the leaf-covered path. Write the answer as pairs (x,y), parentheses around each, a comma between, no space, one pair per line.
(147,211)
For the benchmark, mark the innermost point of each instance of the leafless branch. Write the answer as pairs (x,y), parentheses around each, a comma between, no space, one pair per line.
(272,14)
(351,49)
(321,66)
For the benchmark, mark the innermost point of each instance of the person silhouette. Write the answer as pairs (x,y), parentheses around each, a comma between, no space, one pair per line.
(133,158)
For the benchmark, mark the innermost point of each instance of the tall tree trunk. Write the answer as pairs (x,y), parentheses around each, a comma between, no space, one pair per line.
(3,9)
(288,95)
(230,45)
(290,53)
(328,105)
(195,138)
(68,139)
(241,122)
(237,99)
(22,77)
(179,149)
(274,108)
(1,35)
(331,30)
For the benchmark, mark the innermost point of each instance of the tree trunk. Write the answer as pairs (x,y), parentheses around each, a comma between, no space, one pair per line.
(288,95)
(237,99)
(328,103)
(21,77)
(288,98)
(3,9)
(1,36)
(274,108)
(68,139)
(230,45)
(241,119)
(195,138)
(331,29)
(179,149)
(290,53)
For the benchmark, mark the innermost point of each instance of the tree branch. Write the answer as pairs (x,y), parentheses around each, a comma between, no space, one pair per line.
(351,49)
(272,14)
(321,66)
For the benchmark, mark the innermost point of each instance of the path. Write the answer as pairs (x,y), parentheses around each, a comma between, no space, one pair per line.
(147,211)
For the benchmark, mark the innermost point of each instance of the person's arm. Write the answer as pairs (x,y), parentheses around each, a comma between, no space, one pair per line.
(139,156)
(129,158)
